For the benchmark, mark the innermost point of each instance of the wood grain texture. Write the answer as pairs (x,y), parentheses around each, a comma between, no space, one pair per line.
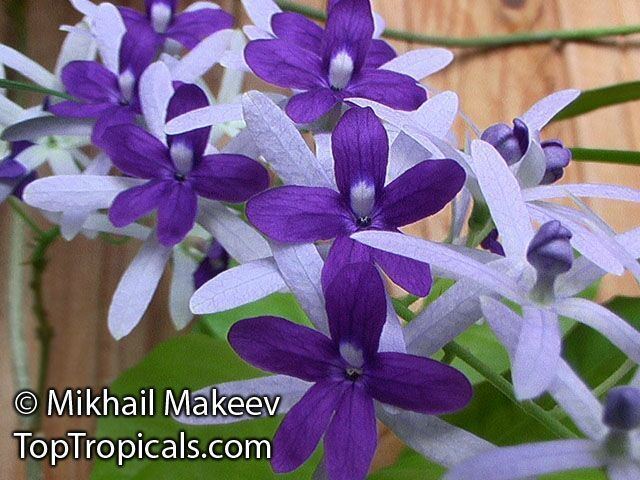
(493,86)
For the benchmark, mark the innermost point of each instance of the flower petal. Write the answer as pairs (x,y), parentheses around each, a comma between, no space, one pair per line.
(136,287)
(34,129)
(280,346)
(502,194)
(303,427)
(176,214)
(544,110)
(237,237)
(524,461)
(156,90)
(307,107)
(412,275)
(356,307)
(261,12)
(297,29)
(437,114)
(389,88)
(204,117)
(289,389)
(136,152)
(85,192)
(614,328)
(299,214)
(284,64)
(109,29)
(417,383)
(380,52)
(137,202)
(537,354)
(301,267)
(421,191)
(201,58)
(607,192)
(432,437)
(351,439)
(190,28)
(421,63)
(181,288)
(349,27)
(25,66)
(360,150)
(91,82)
(280,143)
(229,178)
(238,286)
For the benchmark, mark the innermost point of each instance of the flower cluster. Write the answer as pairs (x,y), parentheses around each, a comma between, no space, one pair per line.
(254,193)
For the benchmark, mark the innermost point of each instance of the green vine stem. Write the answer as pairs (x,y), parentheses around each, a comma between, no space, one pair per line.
(497,41)
(453,350)
(44,329)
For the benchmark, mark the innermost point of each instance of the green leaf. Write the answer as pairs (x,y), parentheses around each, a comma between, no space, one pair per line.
(192,361)
(591,355)
(623,157)
(278,305)
(591,100)
(409,466)
(30,87)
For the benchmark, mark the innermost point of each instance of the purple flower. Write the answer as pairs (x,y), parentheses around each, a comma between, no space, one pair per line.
(13,174)
(331,65)
(348,374)
(297,214)
(178,172)
(163,24)
(105,94)
(216,262)
(558,158)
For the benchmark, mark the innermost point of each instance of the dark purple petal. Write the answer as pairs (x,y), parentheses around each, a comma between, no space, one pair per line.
(18,190)
(351,439)
(284,64)
(349,28)
(307,107)
(132,18)
(137,202)
(360,150)
(111,117)
(412,275)
(357,307)
(293,214)
(392,89)
(216,262)
(492,243)
(176,214)
(229,178)
(343,252)
(379,53)
(421,191)
(187,98)
(280,346)
(136,152)
(10,169)
(80,110)
(138,50)
(298,30)
(417,383)
(303,427)
(91,82)
(190,28)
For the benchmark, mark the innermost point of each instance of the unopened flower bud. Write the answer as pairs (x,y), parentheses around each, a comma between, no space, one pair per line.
(511,143)
(558,158)
(216,262)
(550,250)
(622,409)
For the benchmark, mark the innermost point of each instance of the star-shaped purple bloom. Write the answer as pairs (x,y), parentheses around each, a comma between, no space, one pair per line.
(297,214)
(333,64)
(162,22)
(178,172)
(348,373)
(105,95)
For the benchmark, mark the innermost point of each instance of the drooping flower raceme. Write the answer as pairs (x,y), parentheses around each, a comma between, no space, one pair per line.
(348,374)
(178,172)
(331,65)
(296,214)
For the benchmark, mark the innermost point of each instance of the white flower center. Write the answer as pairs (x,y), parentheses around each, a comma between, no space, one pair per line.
(160,17)
(363,198)
(352,355)
(127,83)
(340,70)
(182,157)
